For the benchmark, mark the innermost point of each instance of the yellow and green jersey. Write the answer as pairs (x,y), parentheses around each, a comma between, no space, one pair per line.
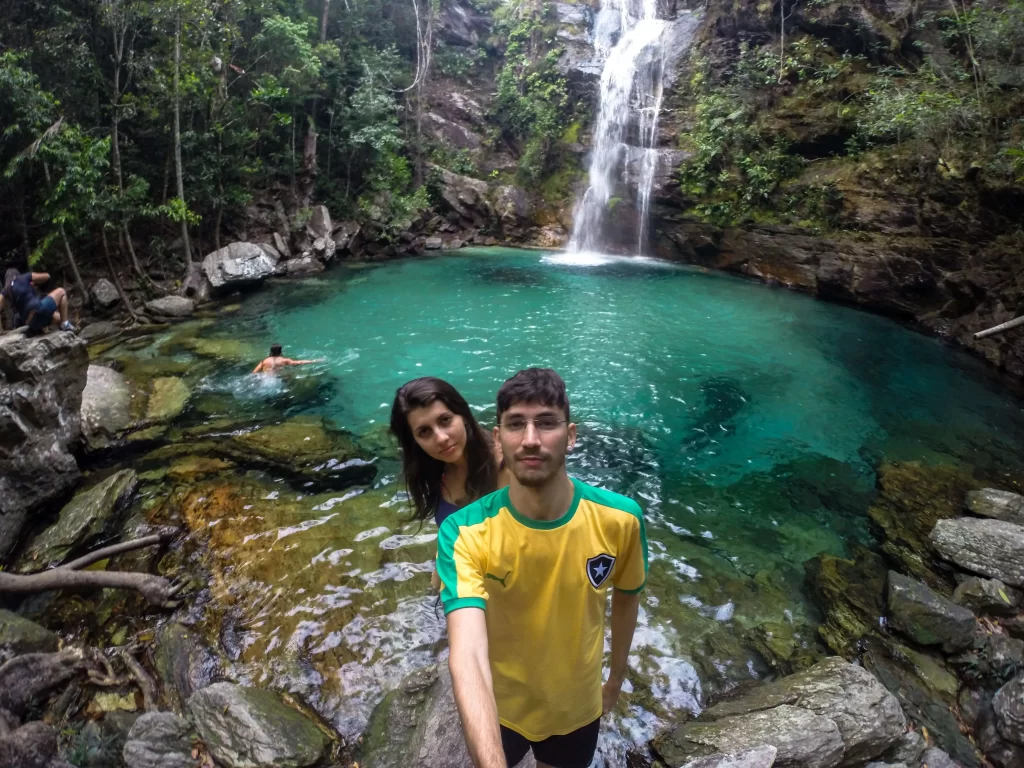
(544,587)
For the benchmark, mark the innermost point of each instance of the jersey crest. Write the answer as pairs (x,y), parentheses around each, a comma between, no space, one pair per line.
(599,568)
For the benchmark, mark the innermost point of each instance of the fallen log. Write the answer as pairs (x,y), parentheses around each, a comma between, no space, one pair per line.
(1017,321)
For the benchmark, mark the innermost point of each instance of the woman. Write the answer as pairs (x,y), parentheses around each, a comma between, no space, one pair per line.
(448,459)
(29,309)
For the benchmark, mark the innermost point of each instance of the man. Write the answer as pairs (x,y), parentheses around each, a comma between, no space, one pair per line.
(31,310)
(275,361)
(525,573)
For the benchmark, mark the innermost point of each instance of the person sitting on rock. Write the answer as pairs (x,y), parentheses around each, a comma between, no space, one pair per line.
(31,310)
(275,361)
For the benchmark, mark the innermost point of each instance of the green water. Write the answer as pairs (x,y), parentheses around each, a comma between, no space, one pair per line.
(748,422)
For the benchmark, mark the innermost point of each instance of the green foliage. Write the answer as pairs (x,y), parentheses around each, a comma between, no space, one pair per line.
(1016,155)
(457,62)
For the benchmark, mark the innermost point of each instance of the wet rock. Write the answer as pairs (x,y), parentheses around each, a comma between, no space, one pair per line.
(106,407)
(97,331)
(833,713)
(159,740)
(417,725)
(18,635)
(167,399)
(104,294)
(1008,705)
(433,243)
(253,728)
(319,224)
(184,664)
(912,497)
(926,617)
(238,264)
(988,596)
(1001,505)
(304,265)
(936,758)
(907,749)
(171,307)
(85,519)
(41,385)
(304,449)
(758,757)
(782,648)
(324,248)
(851,593)
(993,548)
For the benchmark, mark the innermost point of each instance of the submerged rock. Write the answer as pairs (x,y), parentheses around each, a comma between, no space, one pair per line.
(988,596)
(1001,505)
(834,713)
(83,521)
(417,725)
(993,548)
(184,664)
(106,407)
(167,399)
(159,740)
(851,593)
(239,264)
(781,646)
(41,385)
(928,618)
(18,635)
(253,728)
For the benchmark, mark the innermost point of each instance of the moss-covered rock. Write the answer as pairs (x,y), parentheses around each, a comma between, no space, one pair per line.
(851,593)
(167,399)
(785,647)
(18,635)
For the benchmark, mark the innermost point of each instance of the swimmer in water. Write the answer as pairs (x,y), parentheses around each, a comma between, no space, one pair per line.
(275,361)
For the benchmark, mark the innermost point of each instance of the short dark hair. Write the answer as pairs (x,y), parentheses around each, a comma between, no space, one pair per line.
(275,350)
(539,386)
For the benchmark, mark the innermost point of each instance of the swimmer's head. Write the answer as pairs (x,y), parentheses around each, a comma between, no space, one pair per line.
(275,350)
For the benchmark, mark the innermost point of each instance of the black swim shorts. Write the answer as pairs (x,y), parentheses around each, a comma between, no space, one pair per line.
(573,750)
(44,314)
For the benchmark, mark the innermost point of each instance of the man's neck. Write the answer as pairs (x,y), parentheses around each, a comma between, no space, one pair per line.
(544,502)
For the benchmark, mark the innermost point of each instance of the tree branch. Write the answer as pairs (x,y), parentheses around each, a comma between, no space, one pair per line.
(118,549)
(156,589)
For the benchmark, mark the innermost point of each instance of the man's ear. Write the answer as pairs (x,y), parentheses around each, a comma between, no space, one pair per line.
(572,437)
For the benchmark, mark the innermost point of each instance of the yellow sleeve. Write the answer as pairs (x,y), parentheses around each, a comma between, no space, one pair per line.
(459,568)
(631,564)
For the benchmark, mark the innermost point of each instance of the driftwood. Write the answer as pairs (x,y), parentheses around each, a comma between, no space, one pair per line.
(156,589)
(1017,321)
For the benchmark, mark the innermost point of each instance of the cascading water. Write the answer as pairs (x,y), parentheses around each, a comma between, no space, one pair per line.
(627,121)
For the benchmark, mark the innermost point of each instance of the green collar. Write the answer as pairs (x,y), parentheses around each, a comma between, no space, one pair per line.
(544,525)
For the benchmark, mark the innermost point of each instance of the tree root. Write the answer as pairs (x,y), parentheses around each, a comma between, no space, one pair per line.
(143,679)
(157,590)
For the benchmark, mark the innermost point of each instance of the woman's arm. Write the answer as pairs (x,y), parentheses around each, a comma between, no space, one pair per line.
(39,278)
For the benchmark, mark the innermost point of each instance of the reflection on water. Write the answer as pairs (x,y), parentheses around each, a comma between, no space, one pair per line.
(748,422)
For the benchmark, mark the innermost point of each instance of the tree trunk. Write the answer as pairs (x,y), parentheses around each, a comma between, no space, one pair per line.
(114,277)
(177,137)
(307,179)
(26,242)
(67,251)
(426,54)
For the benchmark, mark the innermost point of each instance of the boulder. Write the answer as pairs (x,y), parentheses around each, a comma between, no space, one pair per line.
(167,399)
(1001,505)
(41,385)
(305,265)
(238,264)
(433,243)
(104,294)
(834,713)
(97,331)
(159,740)
(324,248)
(183,663)
(988,596)
(465,196)
(934,757)
(758,757)
(907,749)
(928,618)
(171,307)
(86,518)
(33,745)
(253,728)
(196,286)
(18,635)
(993,548)
(319,224)
(512,205)
(106,407)
(1008,705)
(345,234)
(417,725)
(282,246)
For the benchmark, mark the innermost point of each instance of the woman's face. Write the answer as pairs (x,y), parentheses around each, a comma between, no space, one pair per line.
(439,431)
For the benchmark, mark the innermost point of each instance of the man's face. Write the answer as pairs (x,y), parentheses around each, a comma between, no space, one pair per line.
(534,440)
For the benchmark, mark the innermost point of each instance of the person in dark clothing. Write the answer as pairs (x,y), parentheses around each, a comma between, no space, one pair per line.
(38,313)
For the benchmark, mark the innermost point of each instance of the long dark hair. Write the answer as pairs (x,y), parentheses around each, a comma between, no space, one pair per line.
(422,472)
(9,277)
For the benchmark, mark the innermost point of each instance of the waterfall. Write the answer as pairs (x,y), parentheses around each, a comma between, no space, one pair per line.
(627,122)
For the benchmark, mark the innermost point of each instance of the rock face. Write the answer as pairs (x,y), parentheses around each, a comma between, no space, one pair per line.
(41,385)
(171,307)
(988,596)
(417,725)
(253,728)
(1009,710)
(1001,505)
(106,406)
(466,197)
(928,618)
(86,517)
(834,713)
(159,740)
(18,635)
(239,264)
(993,548)
(104,294)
